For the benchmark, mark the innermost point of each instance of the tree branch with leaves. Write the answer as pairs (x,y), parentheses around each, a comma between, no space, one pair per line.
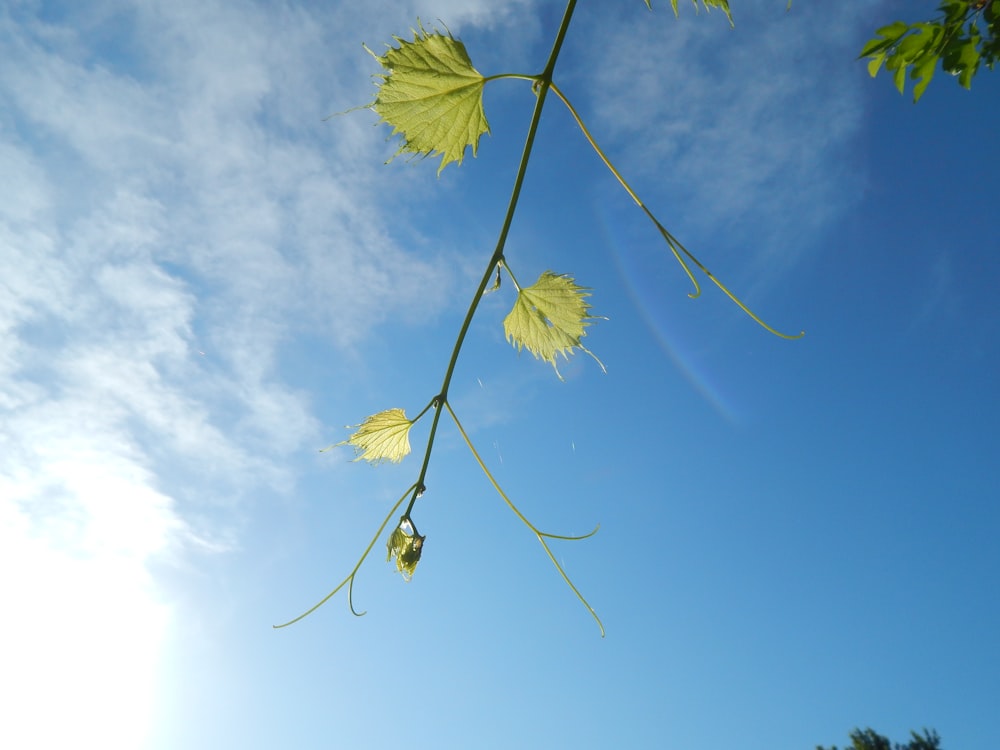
(869,739)
(963,38)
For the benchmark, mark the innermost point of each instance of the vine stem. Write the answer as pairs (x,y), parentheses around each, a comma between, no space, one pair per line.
(542,83)
(540,535)
(518,76)
(675,245)
(357,567)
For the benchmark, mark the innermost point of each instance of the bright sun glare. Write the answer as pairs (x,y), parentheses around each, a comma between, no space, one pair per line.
(82,631)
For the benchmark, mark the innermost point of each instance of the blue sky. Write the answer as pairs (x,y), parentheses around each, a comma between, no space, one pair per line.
(203,282)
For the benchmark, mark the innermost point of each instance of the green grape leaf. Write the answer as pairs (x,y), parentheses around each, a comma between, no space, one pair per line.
(382,437)
(431,96)
(550,318)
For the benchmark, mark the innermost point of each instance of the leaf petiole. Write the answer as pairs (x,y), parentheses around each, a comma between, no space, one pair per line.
(503,263)
(518,76)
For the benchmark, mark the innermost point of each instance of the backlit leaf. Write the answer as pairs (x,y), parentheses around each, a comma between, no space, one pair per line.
(968,61)
(382,437)
(899,77)
(893,31)
(923,72)
(406,545)
(957,41)
(549,318)
(875,64)
(432,96)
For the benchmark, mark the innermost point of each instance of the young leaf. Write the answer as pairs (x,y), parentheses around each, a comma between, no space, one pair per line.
(406,545)
(382,437)
(432,96)
(549,318)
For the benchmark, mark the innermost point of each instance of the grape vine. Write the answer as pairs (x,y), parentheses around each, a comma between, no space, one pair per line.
(432,97)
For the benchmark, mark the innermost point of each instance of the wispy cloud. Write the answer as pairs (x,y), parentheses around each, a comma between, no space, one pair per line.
(748,129)
(177,214)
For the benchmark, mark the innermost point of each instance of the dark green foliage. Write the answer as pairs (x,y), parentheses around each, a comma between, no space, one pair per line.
(869,739)
(964,37)
(929,741)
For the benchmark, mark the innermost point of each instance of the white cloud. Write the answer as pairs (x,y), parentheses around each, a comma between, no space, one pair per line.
(80,637)
(181,214)
(749,130)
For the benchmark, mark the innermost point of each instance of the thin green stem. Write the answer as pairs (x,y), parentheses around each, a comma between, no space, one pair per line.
(675,245)
(519,76)
(350,577)
(542,84)
(503,262)
(541,535)
(423,411)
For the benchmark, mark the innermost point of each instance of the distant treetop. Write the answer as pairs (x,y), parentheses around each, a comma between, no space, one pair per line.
(869,739)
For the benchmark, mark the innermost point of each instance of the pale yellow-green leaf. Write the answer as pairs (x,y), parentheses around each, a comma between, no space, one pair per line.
(549,318)
(382,437)
(406,546)
(432,96)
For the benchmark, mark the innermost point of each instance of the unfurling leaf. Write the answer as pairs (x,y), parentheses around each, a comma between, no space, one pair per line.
(549,318)
(382,437)
(432,96)
(406,545)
